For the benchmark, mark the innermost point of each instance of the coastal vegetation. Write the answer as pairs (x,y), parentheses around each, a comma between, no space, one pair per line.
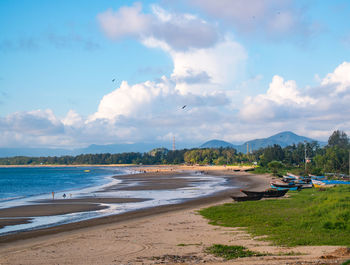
(334,157)
(309,217)
(232,252)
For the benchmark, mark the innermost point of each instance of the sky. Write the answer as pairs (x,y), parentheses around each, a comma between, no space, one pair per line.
(75,73)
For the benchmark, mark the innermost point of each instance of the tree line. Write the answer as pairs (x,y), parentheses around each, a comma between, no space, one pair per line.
(334,157)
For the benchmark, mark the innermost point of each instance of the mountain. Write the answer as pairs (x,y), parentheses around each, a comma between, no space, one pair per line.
(92,149)
(117,148)
(10,152)
(216,144)
(283,139)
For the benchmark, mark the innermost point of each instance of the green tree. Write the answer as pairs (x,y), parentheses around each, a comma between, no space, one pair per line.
(275,166)
(338,138)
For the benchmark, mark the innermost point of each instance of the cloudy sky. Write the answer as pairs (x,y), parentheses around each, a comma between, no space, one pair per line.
(75,73)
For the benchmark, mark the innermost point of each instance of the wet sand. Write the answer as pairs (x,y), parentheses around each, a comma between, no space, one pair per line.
(156,178)
(171,234)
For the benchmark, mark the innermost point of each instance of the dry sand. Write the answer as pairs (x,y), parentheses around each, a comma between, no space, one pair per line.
(174,234)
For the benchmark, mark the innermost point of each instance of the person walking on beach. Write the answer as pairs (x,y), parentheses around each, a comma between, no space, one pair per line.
(64,195)
(53,195)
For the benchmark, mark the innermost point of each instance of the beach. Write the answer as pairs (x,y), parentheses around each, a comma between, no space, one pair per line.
(168,234)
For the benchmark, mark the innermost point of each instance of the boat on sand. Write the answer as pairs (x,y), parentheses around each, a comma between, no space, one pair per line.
(269,193)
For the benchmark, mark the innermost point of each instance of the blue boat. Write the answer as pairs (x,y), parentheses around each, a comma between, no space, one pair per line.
(341,182)
(285,188)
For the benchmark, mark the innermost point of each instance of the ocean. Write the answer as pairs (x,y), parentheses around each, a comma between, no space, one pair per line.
(27,182)
(28,185)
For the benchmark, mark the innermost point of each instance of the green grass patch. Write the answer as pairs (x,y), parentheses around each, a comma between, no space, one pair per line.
(231,252)
(309,217)
(346,262)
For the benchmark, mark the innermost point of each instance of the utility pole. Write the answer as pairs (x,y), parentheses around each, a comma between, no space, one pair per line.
(305,154)
(173,143)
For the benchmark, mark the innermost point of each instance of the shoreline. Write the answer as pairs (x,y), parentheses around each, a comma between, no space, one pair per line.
(168,234)
(77,165)
(239,179)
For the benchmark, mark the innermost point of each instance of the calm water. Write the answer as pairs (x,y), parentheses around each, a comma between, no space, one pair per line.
(18,183)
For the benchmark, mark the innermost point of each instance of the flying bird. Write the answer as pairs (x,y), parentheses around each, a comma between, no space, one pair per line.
(113,79)
(184,106)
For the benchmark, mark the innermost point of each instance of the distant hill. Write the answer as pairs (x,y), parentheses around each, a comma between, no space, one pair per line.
(283,139)
(10,152)
(92,149)
(216,144)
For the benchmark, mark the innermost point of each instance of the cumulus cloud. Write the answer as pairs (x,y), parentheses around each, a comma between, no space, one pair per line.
(315,111)
(281,100)
(179,31)
(151,99)
(37,122)
(152,112)
(38,127)
(340,78)
(218,65)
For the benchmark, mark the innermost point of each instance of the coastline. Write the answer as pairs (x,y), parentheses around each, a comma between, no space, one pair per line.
(155,178)
(168,234)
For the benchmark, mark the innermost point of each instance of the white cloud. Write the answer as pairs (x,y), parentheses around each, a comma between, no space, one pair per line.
(286,92)
(73,119)
(178,31)
(340,78)
(131,100)
(219,65)
(127,21)
(281,100)
(314,112)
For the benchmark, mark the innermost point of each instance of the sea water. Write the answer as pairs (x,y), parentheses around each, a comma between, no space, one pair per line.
(21,186)
(29,182)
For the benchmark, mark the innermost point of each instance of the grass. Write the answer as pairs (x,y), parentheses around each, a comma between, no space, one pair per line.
(309,217)
(346,262)
(231,252)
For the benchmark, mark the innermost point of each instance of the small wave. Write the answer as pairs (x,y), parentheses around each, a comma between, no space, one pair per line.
(11,198)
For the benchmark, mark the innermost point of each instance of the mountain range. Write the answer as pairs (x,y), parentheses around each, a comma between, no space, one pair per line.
(283,139)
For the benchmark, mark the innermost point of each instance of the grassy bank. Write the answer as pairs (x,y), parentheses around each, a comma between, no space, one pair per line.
(309,217)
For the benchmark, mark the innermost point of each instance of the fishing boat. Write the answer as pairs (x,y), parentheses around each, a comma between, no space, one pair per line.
(284,184)
(335,181)
(269,193)
(247,198)
(306,186)
(295,187)
(321,184)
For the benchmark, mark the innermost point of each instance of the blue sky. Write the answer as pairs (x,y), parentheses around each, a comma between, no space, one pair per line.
(245,69)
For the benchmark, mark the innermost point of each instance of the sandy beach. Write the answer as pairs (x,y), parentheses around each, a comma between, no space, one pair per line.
(169,234)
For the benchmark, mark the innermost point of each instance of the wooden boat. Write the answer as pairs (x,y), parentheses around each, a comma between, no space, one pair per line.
(269,193)
(321,184)
(295,187)
(247,198)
